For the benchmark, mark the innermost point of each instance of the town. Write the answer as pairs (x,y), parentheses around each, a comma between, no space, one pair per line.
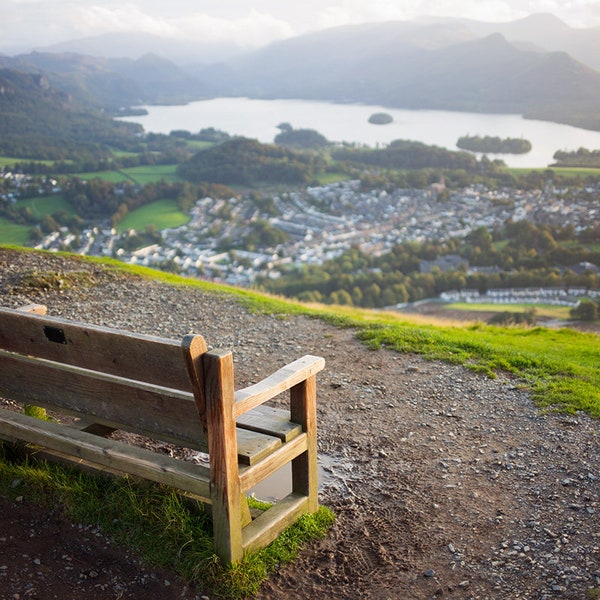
(320,223)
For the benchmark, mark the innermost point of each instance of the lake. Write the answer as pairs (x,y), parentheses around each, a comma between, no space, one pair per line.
(349,123)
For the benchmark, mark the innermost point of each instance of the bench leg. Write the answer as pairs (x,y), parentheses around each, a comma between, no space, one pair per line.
(222,447)
(303,404)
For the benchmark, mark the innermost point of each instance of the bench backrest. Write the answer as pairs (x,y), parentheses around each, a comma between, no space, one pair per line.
(123,380)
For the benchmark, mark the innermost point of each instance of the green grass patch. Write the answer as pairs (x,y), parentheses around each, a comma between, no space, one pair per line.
(41,206)
(563,171)
(327,178)
(542,310)
(163,214)
(198,144)
(164,528)
(561,367)
(111,176)
(13,233)
(152,173)
(9,161)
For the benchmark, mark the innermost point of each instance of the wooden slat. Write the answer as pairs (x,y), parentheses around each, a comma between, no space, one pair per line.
(266,527)
(270,421)
(250,476)
(107,399)
(135,356)
(111,454)
(280,381)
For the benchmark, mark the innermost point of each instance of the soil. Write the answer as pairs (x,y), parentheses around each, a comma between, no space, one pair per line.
(445,484)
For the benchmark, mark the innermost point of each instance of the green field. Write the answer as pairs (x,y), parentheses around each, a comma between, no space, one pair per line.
(564,171)
(46,205)
(140,175)
(163,214)
(326,178)
(13,233)
(543,310)
(8,161)
(112,176)
(152,173)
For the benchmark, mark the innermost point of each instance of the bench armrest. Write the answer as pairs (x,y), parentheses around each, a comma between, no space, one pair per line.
(283,379)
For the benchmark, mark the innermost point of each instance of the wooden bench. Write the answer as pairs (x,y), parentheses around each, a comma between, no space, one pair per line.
(175,392)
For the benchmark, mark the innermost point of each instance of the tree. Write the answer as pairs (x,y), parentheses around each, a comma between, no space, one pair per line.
(585,311)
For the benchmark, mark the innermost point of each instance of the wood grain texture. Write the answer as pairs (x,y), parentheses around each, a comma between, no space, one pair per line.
(283,379)
(222,449)
(102,452)
(136,356)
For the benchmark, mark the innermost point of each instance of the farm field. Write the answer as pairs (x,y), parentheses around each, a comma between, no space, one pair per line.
(140,175)
(46,205)
(13,233)
(162,214)
(542,310)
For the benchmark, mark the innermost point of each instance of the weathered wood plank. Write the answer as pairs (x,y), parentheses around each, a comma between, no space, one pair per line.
(222,449)
(303,408)
(266,527)
(136,356)
(108,453)
(254,474)
(114,401)
(270,421)
(248,398)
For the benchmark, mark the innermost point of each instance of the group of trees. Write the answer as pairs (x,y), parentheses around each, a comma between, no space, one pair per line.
(243,161)
(494,144)
(579,158)
(527,255)
(401,154)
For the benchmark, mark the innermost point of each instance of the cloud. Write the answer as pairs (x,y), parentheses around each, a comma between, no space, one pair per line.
(252,29)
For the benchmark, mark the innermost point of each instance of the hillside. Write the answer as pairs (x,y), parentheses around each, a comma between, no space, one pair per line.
(444,482)
(39,121)
(537,66)
(379,64)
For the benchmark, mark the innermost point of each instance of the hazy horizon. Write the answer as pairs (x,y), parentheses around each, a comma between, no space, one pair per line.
(32,24)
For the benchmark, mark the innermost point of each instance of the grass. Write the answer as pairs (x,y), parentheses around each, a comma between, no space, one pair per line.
(8,161)
(13,233)
(564,171)
(111,176)
(542,310)
(46,205)
(327,177)
(560,367)
(152,173)
(164,214)
(164,528)
(140,175)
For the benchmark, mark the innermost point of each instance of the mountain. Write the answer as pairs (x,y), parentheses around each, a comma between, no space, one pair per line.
(393,65)
(111,83)
(38,121)
(544,31)
(135,45)
(454,64)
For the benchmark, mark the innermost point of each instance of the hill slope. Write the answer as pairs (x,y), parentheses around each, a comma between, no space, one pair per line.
(37,121)
(443,481)
(394,65)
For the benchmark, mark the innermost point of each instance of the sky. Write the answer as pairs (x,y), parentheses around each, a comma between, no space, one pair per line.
(29,24)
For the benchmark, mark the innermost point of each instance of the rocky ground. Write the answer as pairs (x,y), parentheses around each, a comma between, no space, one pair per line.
(444,483)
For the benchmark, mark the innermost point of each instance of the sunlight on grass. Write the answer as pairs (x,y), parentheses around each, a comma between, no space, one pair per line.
(164,528)
(163,214)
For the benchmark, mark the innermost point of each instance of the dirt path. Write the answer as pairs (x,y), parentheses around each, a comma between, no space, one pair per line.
(444,483)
